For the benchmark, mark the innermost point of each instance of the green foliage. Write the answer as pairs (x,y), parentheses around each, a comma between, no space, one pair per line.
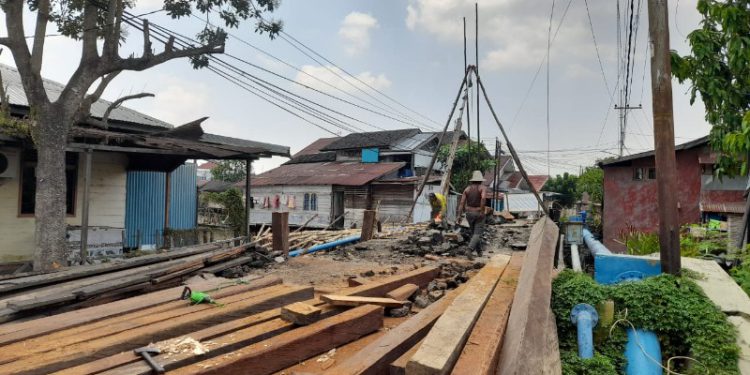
(468,158)
(566,185)
(674,308)
(741,273)
(234,206)
(592,182)
(642,243)
(229,171)
(719,69)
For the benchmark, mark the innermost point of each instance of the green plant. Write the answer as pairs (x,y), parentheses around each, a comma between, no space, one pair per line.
(468,158)
(592,182)
(233,204)
(675,308)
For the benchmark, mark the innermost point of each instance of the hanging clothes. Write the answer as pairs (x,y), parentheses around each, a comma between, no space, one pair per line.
(291,202)
(266,202)
(276,201)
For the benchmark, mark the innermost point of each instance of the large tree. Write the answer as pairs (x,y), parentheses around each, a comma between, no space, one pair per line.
(718,69)
(468,158)
(229,170)
(566,186)
(591,181)
(99,25)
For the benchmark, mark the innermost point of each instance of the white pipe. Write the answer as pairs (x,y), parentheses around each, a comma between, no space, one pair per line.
(560,257)
(575,258)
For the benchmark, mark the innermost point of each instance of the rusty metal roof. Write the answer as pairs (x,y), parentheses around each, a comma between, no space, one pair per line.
(315,147)
(330,173)
(384,138)
(723,207)
(684,146)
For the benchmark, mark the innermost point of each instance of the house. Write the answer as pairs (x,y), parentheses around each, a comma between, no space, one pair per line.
(333,180)
(204,171)
(139,186)
(630,192)
(512,191)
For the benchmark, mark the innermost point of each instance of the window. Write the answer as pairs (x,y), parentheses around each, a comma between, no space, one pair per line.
(28,183)
(310,202)
(652,173)
(638,174)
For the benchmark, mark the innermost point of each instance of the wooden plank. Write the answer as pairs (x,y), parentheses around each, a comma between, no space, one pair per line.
(442,346)
(300,313)
(403,292)
(398,367)
(228,264)
(131,321)
(280,232)
(529,315)
(421,277)
(482,349)
(128,340)
(368,225)
(375,358)
(338,300)
(357,281)
(287,349)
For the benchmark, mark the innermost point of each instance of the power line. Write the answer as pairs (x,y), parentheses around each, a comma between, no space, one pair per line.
(596,47)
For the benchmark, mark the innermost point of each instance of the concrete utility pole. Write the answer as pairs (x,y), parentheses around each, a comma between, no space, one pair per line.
(666,169)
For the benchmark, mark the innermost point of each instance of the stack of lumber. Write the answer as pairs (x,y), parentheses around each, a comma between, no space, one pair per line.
(94,284)
(305,239)
(245,332)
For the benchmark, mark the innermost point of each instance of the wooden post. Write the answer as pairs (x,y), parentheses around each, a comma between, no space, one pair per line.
(666,165)
(445,183)
(85,213)
(248,198)
(280,232)
(368,225)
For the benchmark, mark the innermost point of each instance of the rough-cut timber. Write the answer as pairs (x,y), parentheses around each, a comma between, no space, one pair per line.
(140,318)
(398,367)
(442,346)
(292,347)
(529,316)
(368,225)
(300,313)
(421,276)
(403,293)
(280,232)
(357,281)
(482,349)
(378,355)
(264,299)
(338,300)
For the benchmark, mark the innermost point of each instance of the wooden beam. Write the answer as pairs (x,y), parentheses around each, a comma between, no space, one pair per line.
(442,346)
(337,300)
(482,349)
(357,281)
(421,277)
(398,367)
(529,317)
(128,340)
(368,225)
(300,313)
(280,232)
(403,292)
(375,358)
(289,348)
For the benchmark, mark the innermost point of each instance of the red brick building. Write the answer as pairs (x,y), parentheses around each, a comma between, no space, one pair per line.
(630,196)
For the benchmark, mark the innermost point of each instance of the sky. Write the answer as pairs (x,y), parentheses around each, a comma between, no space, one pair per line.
(412,51)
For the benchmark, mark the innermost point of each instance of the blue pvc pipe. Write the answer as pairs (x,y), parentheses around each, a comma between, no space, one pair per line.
(593,244)
(638,362)
(585,318)
(324,246)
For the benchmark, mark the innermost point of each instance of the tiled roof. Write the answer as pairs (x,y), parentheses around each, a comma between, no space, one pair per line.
(384,138)
(723,207)
(330,173)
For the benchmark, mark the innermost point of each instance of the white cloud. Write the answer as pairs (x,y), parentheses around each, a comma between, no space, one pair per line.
(331,77)
(355,30)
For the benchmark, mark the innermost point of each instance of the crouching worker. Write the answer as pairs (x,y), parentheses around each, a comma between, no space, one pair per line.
(473,203)
(439,208)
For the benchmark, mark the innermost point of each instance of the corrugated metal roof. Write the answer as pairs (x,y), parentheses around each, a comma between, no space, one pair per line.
(315,147)
(684,146)
(384,138)
(332,173)
(236,142)
(723,207)
(412,143)
(17,96)
(522,203)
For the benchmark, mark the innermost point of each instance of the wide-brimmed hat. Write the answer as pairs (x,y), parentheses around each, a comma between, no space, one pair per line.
(477,177)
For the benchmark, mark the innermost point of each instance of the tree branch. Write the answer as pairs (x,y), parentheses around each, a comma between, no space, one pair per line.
(90,33)
(16,42)
(40,31)
(147,52)
(113,28)
(118,102)
(145,62)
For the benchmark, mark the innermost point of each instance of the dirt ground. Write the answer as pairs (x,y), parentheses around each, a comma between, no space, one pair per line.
(382,257)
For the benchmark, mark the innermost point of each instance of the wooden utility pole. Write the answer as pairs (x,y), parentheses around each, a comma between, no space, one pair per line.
(445,183)
(666,169)
(248,197)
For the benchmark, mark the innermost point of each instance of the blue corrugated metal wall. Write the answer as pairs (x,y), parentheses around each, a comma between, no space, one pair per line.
(182,197)
(145,201)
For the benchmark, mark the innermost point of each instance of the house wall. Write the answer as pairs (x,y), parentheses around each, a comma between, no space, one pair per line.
(107,205)
(297,216)
(628,202)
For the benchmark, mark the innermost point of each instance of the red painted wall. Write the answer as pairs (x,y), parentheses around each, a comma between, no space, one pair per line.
(630,202)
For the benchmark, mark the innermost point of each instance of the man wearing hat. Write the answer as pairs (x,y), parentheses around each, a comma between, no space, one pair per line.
(473,202)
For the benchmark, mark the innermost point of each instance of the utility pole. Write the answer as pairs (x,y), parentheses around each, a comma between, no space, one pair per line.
(623,108)
(666,170)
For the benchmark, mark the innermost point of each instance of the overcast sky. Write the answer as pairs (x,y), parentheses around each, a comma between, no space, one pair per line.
(413,52)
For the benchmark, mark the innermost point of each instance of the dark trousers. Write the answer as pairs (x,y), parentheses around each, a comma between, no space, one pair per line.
(476,227)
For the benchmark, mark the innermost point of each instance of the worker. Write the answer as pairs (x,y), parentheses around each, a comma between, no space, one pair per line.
(473,203)
(439,208)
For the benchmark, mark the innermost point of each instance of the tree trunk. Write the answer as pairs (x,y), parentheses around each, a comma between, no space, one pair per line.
(50,139)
